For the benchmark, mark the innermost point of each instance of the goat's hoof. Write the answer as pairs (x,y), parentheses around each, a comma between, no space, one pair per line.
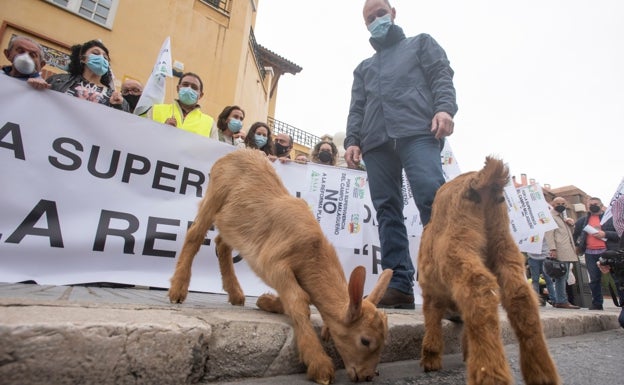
(270,303)
(322,372)
(487,376)
(431,364)
(237,299)
(177,293)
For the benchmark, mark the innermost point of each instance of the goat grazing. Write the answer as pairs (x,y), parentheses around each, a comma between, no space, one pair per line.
(467,260)
(279,237)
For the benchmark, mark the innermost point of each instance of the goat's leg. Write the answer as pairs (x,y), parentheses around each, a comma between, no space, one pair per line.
(270,303)
(519,301)
(228,275)
(193,240)
(296,303)
(474,292)
(433,341)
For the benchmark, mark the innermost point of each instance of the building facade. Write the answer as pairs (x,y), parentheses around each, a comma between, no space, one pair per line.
(213,38)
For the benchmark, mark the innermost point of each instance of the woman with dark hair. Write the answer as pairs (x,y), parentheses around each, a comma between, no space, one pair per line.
(325,153)
(89,76)
(230,123)
(259,137)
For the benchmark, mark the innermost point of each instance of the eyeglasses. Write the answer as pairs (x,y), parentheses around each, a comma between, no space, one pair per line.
(133,91)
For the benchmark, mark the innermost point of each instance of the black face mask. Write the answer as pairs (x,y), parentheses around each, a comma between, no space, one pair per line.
(325,157)
(132,100)
(594,209)
(559,209)
(280,150)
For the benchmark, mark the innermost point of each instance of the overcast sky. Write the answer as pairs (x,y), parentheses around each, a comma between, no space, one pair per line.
(539,83)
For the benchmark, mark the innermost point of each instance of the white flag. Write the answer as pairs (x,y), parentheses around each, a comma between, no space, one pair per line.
(154,91)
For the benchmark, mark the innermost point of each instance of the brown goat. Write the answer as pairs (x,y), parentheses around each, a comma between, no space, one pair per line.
(467,260)
(279,237)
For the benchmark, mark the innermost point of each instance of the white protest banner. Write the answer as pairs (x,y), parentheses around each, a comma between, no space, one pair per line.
(92,194)
(530,217)
(337,196)
(619,191)
(450,167)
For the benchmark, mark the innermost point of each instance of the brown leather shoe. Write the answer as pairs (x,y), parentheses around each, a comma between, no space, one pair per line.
(566,305)
(396,299)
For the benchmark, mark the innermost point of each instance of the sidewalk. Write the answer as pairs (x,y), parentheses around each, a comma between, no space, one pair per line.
(71,335)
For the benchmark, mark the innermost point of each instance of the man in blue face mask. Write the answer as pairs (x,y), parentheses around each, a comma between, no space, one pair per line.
(185,112)
(402,108)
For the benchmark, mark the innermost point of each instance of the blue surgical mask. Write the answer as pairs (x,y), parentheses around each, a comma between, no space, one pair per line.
(187,95)
(98,64)
(380,26)
(235,125)
(261,141)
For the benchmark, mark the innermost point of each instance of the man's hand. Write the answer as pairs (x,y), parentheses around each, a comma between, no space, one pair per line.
(442,124)
(353,156)
(171,121)
(38,83)
(603,269)
(116,98)
(600,234)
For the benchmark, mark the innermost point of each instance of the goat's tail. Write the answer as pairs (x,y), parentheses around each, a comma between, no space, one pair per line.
(494,176)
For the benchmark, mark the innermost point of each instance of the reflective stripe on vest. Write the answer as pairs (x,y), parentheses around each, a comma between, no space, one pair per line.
(195,121)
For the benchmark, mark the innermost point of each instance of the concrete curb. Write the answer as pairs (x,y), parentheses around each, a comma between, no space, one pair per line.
(60,341)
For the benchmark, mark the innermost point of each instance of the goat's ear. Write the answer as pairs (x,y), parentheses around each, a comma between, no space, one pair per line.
(380,287)
(356,291)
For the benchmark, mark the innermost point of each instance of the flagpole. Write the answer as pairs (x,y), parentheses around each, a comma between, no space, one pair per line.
(171,97)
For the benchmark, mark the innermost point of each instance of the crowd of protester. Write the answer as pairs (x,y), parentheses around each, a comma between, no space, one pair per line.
(89,77)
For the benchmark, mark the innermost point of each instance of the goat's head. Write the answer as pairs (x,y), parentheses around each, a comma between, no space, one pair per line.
(361,335)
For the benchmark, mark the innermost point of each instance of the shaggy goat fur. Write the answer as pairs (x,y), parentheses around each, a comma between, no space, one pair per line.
(279,237)
(467,261)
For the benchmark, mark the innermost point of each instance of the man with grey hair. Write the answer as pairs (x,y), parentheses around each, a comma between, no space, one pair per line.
(26,57)
(402,108)
(561,248)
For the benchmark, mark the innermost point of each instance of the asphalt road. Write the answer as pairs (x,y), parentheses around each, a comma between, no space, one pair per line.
(589,359)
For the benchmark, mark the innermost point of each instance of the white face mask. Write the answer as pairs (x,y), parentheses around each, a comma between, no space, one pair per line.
(24,64)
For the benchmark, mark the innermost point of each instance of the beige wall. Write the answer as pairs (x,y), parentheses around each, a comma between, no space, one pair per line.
(210,43)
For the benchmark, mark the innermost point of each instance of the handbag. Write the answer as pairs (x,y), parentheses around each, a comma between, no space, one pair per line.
(554,268)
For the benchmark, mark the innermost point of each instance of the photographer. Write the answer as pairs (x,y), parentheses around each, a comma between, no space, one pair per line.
(614,261)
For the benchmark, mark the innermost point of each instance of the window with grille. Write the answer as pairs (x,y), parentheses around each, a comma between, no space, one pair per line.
(220,4)
(99,11)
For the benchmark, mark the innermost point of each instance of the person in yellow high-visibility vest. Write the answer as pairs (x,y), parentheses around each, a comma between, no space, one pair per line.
(184,112)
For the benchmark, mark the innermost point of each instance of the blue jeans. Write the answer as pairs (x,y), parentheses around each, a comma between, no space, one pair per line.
(537,267)
(561,296)
(595,278)
(420,157)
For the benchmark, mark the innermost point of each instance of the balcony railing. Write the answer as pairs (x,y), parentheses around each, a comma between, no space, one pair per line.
(254,45)
(299,136)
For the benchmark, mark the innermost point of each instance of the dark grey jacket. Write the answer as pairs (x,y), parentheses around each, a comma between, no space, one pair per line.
(398,90)
(580,236)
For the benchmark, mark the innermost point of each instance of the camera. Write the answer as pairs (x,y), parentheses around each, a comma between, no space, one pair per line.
(613,259)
